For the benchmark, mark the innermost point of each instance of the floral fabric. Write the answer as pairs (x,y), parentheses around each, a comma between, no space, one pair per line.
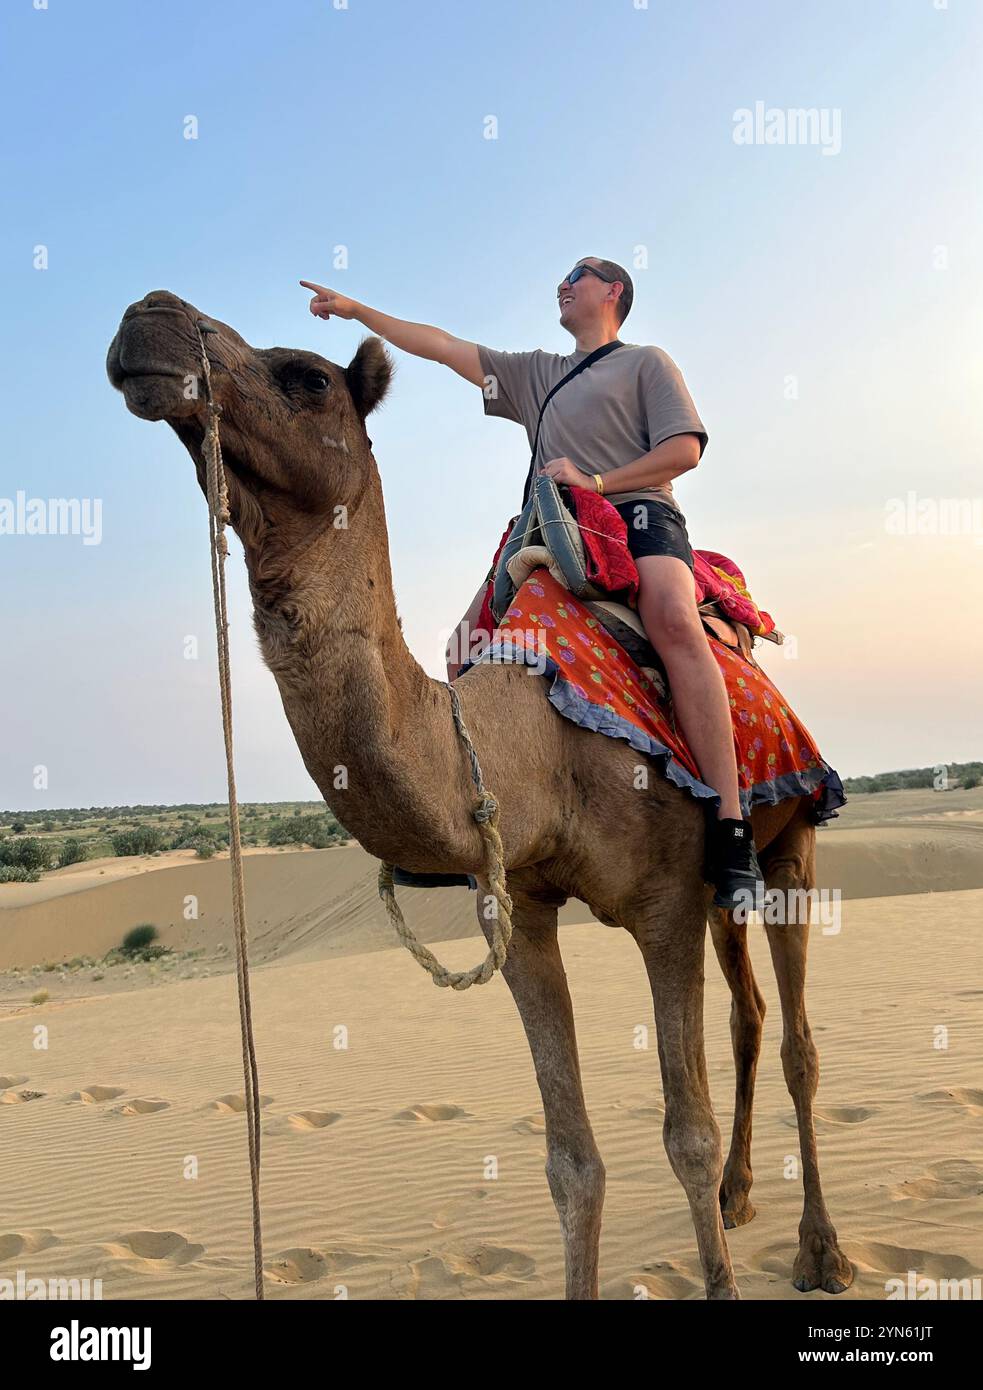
(596,684)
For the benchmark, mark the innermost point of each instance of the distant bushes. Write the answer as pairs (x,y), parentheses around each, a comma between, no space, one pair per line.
(204,841)
(16,873)
(318,831)
(963,775)
(72,852)
(26,853)
(146,839)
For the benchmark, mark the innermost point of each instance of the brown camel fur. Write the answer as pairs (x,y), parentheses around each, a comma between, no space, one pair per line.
(376,736)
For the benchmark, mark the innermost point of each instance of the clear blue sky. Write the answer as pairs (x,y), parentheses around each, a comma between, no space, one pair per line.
(364,127)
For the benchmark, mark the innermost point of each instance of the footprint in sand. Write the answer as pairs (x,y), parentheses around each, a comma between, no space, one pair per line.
(457,1210)
(95,1095)
(964,1097)
(663,1280)
(7,1081)
(233,1104)
(154,1249)
(143,1106)
(777,1259)
(947,1180)
(836,1115)
(418,1114)
(306,1265)
(647,1110)
(14,1243)
(305,1121)
(530,1124)
(876,1257)
(20,1097)
(449,1275)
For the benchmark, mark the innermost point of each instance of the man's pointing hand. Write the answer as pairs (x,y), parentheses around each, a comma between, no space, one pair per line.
(327,302)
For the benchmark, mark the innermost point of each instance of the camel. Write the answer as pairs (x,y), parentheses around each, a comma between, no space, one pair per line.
(306,503)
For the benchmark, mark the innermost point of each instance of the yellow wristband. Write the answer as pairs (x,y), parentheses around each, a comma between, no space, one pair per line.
(599,484)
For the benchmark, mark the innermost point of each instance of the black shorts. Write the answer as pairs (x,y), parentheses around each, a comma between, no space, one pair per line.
(656,528)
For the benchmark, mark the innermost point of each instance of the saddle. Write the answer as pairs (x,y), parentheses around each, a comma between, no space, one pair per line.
(546,533)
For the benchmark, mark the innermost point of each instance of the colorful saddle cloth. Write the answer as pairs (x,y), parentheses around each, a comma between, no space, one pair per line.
(594,683)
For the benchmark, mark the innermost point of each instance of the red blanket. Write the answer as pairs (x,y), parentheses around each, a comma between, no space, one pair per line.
(596,684)
(610,566)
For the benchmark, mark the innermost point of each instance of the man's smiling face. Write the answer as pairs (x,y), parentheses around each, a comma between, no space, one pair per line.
(581,302)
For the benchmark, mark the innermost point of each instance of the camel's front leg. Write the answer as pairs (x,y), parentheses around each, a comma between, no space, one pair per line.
(534,972)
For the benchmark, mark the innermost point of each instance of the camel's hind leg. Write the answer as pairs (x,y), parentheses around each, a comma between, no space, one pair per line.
(671,940)
(789,865)
(534,973)
(747,1012)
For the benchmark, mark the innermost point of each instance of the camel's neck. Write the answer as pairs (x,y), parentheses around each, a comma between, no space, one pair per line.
(374,730)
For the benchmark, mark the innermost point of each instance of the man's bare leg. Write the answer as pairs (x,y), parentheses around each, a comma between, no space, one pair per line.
(667,607)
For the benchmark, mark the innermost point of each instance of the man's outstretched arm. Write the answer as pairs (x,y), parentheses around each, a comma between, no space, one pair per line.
(421,339)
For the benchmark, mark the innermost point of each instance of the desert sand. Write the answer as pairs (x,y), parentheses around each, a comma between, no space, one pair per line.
(403,1142)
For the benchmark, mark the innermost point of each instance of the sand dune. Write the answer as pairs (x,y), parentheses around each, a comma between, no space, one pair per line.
(403,1137)
(314,903)
(409,1163)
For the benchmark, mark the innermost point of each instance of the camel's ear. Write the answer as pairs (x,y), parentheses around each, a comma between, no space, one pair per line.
(368,375)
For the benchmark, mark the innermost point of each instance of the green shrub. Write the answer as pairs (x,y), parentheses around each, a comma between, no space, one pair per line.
(41,997)
(138,938)
(144,840)
(318,831)
(72,852)
(29,853)
(16,873)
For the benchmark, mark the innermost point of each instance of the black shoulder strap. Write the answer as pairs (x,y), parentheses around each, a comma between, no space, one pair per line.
(582,366)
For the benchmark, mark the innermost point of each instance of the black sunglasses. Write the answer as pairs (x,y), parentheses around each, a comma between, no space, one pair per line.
(581,270)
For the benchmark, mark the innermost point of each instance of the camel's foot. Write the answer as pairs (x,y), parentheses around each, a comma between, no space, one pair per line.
(727,1292)
(737,1209)
(736,1206)
(821,1264)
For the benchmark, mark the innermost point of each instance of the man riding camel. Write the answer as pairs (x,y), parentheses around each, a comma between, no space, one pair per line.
(625,427)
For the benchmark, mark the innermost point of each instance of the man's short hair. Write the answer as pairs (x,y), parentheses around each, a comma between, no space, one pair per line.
(617,272)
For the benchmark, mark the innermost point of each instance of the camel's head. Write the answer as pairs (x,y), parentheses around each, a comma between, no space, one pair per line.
(292,423)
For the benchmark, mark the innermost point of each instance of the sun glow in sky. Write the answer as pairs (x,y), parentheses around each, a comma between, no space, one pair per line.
(822,299)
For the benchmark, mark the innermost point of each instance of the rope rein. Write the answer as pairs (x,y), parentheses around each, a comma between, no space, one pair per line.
(218,515)
(485,813)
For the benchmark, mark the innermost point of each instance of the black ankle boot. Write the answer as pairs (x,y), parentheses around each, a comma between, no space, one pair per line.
(732,864)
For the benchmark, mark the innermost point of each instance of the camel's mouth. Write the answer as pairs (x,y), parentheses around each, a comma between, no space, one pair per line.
(153,359)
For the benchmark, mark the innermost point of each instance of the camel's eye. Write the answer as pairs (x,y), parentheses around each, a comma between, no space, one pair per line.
(316,381)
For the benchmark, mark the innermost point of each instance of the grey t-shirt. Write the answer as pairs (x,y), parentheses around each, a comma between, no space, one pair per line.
(609,415)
